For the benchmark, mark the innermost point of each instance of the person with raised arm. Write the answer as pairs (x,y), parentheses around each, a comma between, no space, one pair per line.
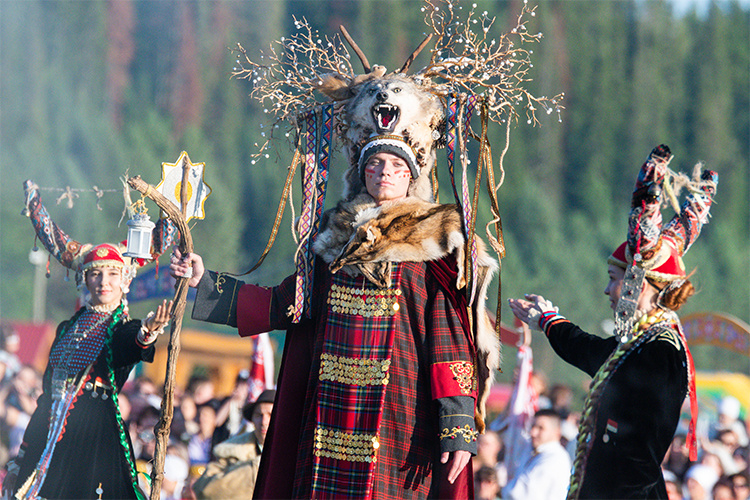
(642,374)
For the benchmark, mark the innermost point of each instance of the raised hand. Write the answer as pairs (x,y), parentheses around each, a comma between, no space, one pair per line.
(530,310)
(186,266)
(154,324)
(158,320)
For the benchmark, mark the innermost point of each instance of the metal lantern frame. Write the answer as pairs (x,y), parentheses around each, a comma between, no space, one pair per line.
(140,228)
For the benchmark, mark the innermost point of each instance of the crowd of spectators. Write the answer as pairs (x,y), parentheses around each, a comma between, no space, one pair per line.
(721,471)
(203,419)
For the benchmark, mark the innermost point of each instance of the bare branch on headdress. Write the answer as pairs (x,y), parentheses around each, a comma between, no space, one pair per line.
(287,77)
(466,60)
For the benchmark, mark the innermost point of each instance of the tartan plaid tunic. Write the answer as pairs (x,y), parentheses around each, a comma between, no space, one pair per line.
(385,381)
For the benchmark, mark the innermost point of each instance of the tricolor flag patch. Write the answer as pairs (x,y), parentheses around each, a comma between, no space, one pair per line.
(611,428)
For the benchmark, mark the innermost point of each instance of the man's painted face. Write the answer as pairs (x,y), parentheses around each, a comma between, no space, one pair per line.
(104,285)
(387,177)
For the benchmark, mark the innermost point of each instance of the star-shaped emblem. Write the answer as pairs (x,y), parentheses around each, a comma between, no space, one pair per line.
(197,190)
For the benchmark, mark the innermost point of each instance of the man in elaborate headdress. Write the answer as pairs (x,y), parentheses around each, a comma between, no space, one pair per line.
(378,389)
(389,349)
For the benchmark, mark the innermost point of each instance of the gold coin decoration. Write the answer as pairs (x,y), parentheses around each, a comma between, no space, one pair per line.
(354,371)
(346,446)
(365,302)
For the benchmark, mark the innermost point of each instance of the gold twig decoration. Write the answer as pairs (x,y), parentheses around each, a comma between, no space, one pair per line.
(287,77)
(465,58)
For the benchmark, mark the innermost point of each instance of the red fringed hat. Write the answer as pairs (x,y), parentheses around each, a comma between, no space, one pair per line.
(665,266)
(104,255)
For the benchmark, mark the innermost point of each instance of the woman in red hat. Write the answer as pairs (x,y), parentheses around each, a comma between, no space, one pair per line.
(642,374)
(76,445)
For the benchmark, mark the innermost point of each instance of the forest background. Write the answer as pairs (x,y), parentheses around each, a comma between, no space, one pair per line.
(90,90)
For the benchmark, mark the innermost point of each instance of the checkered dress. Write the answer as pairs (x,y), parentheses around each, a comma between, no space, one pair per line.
(381,359)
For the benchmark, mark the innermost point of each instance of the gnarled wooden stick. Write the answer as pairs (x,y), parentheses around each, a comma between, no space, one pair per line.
(161,431)
(357,50)
(414,54)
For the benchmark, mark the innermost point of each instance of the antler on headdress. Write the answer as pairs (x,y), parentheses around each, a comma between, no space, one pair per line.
(685,226)
(57,242)
(357,50)
(461,60)
(414,54)
(644,227)
(656,185)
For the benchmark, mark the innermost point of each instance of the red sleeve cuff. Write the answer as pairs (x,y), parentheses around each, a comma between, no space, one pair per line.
(453,378)
(253,310)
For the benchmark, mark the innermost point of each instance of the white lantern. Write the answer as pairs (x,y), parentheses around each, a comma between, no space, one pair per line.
(139,236)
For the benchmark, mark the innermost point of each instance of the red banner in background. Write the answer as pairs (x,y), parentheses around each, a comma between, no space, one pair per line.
(262,367)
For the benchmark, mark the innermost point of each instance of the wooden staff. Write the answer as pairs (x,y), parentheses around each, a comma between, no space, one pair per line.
(185,245)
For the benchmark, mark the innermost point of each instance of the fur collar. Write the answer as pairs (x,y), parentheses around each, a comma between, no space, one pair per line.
(360,237)
(338,225)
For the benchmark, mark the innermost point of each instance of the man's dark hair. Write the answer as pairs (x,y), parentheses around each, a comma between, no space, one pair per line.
(487,474)
(548,412)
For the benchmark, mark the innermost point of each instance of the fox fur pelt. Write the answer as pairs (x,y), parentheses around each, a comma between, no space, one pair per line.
(360,237)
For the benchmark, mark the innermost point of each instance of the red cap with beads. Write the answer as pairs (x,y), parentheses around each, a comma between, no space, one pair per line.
(104,255)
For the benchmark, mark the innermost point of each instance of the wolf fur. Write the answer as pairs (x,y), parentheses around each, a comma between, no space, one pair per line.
(419,115)
(360,237)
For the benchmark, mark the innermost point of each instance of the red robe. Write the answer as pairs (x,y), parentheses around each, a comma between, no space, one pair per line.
(372,388)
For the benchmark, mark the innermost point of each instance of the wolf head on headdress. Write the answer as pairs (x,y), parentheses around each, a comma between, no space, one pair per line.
(394,105)
(464,60)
